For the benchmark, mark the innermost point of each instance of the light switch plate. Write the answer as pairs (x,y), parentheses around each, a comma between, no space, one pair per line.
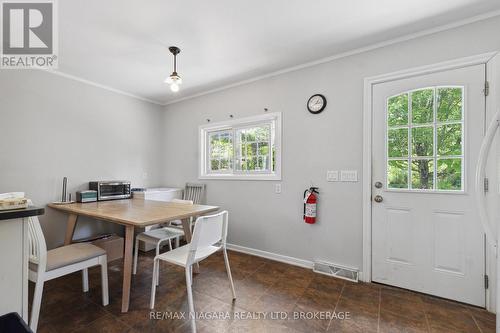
(332,176)
(349,175)
(277,188)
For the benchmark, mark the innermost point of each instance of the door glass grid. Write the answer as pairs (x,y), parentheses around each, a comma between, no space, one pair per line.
(424,139)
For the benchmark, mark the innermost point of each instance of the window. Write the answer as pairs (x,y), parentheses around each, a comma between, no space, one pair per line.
(248,148)
(424,140)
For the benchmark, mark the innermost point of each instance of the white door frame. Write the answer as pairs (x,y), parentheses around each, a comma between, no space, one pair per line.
(367,139)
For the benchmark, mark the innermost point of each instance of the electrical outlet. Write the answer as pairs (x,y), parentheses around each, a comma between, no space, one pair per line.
(332,176)
(349,175)
(277,188)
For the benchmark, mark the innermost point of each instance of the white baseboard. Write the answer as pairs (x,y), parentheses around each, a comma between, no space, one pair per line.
(272,256)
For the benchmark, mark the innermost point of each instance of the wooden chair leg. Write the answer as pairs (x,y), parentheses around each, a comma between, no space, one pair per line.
(104,279)
(37,300)
(136,254)
(228,270)
(85,279)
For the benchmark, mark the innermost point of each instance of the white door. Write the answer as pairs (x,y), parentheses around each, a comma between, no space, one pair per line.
(427,131)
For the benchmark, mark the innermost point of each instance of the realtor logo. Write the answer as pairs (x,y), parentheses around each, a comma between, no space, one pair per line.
(29,34)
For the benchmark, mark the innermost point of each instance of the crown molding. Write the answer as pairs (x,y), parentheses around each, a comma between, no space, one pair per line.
(337,56)
(102,86)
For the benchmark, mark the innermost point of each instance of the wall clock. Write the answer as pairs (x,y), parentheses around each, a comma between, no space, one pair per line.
(316,103)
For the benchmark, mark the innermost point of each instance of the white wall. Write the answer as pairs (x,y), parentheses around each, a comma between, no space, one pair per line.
(312,144)
(52,127)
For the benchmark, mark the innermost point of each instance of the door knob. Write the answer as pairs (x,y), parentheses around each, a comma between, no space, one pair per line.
(378,185)
(378,198)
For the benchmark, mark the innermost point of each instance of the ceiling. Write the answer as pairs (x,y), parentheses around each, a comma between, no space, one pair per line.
(123,44)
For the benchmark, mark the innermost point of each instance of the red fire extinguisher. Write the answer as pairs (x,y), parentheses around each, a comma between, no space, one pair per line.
(310,205)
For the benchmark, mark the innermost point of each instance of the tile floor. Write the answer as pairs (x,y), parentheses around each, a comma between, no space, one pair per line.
(262,286)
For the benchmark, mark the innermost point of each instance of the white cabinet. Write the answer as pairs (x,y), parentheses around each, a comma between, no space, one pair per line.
(157,194)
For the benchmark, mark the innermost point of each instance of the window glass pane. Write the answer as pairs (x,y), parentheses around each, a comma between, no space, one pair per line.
(221,150)
(449,174)
(449,104)
(449,139)
(422,139)
(422,106)
(397,142)
(397,110)
(422,174)
(253,148)
(397,174)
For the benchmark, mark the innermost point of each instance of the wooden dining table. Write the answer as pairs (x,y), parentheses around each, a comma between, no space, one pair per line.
(131,213)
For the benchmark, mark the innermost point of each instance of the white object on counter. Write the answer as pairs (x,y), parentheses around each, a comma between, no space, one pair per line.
(158,194)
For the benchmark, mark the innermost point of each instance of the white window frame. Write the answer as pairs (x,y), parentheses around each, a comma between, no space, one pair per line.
(204,131)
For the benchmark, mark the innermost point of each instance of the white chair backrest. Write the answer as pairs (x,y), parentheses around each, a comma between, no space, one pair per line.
(184,202)
(37,245)
(194,192)
(208,231)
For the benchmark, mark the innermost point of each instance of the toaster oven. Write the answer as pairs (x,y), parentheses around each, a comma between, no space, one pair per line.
(111,190)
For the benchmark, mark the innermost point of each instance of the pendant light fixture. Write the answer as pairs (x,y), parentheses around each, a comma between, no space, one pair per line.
(174,80)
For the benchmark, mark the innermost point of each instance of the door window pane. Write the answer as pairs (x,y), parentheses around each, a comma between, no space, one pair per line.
(449,102)
(398,142)
(449,174)
(397,174)
(422,139)
(397,110)
(449,140)
(434,158)
(422,174)
(422,106)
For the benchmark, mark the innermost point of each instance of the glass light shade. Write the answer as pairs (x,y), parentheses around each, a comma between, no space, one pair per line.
(173,78)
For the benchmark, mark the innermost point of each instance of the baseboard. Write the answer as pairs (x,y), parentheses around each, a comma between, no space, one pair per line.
(272,256)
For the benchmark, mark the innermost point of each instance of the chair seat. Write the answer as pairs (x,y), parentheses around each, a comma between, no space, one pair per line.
(70,254)
(160,234)
(179,255)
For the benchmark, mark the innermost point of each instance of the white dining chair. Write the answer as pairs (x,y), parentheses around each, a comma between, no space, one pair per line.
(209,236)
(159,236)
(47,265)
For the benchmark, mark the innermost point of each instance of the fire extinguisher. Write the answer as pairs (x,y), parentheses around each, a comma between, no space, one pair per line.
(310,205)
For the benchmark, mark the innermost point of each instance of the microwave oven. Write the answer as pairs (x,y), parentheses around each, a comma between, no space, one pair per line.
(111,190)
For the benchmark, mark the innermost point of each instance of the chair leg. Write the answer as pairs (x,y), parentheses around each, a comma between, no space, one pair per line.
(154,283)
(170,244)
(157,266)
(228,269)
(85,279)
(104,280)
(37,300)
(192,314)
(177,241)
(136,254)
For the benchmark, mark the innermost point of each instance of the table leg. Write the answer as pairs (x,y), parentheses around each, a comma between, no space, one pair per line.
(70,228)
(187,234)
(127,267)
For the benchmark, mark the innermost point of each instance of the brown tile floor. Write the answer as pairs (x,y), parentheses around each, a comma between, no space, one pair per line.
(261,286)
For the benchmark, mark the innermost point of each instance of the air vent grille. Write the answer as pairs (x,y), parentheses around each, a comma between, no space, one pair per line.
(338,271)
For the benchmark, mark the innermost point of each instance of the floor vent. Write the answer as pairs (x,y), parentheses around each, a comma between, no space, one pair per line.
(338,271)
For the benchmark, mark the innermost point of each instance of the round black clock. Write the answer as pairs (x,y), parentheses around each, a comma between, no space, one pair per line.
(316,103)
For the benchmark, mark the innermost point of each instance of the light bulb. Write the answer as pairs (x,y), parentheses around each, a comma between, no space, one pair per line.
(174,87)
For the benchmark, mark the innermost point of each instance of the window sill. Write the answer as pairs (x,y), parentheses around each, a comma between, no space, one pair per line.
(241,177)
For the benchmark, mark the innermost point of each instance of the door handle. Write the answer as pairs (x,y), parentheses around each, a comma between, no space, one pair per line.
(378,185)
(378,198)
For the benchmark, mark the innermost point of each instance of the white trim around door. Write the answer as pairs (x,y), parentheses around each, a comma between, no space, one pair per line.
(367,138)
